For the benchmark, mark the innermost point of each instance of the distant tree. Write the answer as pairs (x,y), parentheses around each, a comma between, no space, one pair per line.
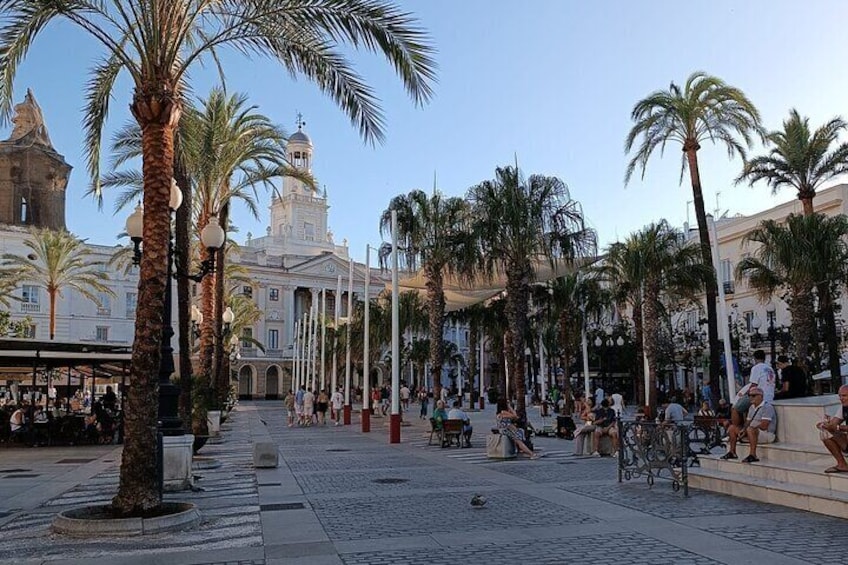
(804,160)
(705,109)
(517,221)
(58,260)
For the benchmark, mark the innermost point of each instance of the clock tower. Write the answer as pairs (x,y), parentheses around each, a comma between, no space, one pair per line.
(299,214)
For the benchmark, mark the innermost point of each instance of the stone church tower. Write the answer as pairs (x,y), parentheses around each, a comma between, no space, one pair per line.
(33,176)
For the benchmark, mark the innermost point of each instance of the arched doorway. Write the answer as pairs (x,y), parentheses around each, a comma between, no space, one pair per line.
(245,384)
(272,383)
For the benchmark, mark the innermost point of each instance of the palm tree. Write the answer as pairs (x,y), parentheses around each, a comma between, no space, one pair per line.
(9,280)
(157,44)
(229,149)
(790,259)
(575,298)
(516,222)
(659,266)
(705,109)
(58,260)
(805,160)
(432,234)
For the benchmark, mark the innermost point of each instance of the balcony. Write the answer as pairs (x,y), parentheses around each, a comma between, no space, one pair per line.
(131,314)
(105,312)
(30,308)
(275,353)
(729,287)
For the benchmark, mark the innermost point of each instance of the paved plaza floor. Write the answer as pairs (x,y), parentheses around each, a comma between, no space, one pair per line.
(340,496)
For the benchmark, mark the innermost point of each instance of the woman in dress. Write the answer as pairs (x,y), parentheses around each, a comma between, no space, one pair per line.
(506,418)
(321,407)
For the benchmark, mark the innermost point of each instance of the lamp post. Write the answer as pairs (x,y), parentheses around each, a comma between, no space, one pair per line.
(212,237)
(771,311)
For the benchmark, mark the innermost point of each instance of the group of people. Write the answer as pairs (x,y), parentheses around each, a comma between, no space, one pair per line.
(306,407)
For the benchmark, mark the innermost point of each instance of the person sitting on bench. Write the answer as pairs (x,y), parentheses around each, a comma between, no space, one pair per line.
(457,413)
(835,433)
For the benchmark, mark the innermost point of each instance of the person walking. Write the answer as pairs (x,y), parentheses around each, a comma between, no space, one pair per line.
(337,401)
(288,402)
(424,400)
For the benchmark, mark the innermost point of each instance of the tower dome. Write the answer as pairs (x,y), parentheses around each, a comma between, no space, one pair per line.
(300,137)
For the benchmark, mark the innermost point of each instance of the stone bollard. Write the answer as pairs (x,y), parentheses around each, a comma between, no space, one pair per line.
(265,455)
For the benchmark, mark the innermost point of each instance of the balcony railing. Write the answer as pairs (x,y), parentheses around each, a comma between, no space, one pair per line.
(104,311)
(276,353)
(30,307)
(729,287)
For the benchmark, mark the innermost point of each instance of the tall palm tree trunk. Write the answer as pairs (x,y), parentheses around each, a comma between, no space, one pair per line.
(803,324)
(711,285)
(516,313)
(566,322)
(639,368)
(221,374)
(203,394)
(157,113)
(436,317)
(182,258)
(651,333)
(51,296)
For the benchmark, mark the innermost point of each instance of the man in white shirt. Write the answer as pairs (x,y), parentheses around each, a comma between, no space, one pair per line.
(337,400)
(404,396)
(599,395)
(457,413)
(763,376)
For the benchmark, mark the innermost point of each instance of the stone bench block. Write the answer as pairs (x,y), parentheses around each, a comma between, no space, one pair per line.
(265,455)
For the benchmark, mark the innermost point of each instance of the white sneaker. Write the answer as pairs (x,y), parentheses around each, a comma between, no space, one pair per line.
(595,454)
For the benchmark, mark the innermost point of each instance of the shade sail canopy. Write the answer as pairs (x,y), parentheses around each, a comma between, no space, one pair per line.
(462,294)
(20,357)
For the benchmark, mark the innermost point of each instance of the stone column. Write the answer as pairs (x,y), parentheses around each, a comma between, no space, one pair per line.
(288,318)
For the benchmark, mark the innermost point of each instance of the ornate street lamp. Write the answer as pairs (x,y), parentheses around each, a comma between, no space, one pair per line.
(212,237)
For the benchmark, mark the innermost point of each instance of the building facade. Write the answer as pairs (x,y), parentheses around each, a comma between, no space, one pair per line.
(291,267)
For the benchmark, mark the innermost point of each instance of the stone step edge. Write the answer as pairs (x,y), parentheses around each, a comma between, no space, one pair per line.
(802,490)
(796,447)
(809,468)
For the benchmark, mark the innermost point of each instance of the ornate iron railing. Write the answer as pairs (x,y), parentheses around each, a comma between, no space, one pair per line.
(654,451)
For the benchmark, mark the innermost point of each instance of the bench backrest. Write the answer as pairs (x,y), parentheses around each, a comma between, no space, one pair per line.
(453,426)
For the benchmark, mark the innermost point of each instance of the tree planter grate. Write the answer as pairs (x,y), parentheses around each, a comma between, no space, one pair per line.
(74,461)
(281,506)
(390,481)
(22,476)
(337,450)
(15,470)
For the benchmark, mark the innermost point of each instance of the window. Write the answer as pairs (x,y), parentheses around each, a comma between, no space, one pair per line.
(23,218)
(132,302)
(749,321)
(771,317)
(105,308)
(247,291)
(274,294)
(273,339)
(29,294)
(308,231)
(246,333)
(101,333)
(726,270)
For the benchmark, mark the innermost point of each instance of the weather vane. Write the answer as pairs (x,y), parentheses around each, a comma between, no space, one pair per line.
(300,122)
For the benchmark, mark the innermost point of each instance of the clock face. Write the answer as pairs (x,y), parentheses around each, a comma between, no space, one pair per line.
(330,268)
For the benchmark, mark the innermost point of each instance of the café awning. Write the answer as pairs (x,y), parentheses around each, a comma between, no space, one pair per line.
(460,294)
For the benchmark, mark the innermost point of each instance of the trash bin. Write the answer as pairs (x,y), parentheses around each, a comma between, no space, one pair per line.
(565,427)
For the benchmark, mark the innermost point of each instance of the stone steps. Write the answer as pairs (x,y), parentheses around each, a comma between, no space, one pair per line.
(789,453)
(810,473)
(800,496)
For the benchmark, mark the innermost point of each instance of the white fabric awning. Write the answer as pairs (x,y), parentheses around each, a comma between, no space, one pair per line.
(459,294)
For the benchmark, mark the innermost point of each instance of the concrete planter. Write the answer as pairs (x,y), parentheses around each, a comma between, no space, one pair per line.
(213,418)
(95,521)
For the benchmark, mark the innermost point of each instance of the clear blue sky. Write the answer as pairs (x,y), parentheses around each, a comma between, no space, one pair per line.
(552,82)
